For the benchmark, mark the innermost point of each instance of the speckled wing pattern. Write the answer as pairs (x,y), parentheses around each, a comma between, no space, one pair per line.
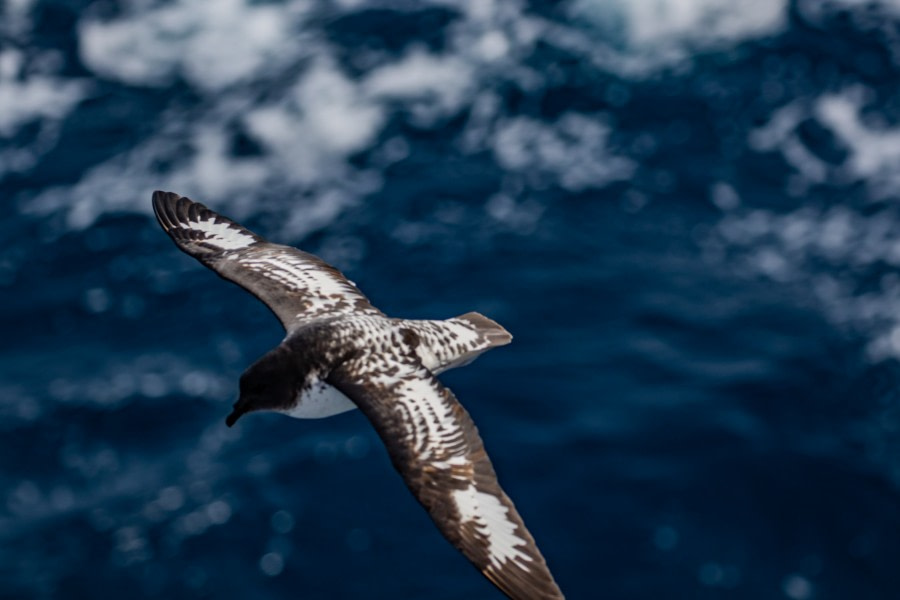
(297,286)
(436,447)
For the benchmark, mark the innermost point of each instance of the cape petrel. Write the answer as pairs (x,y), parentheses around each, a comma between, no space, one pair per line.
(340,353)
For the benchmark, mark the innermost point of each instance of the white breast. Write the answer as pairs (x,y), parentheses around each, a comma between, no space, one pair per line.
(319,401)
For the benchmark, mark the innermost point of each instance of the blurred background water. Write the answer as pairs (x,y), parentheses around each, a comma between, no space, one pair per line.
(686,211)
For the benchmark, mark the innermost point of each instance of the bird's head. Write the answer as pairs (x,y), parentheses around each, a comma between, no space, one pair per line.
(268,384)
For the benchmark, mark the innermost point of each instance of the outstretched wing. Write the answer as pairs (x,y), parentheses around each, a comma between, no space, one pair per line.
(435,446)
(297,286)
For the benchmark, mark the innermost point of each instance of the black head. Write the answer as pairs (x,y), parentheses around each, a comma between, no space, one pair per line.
(268,384)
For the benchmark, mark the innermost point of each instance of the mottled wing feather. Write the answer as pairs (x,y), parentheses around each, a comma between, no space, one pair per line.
(297,286)
(435,446)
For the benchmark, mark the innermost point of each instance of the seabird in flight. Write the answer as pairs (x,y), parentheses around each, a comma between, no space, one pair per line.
(341,353)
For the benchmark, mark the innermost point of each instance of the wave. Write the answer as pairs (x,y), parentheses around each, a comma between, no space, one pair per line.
(281,110)
(840,242)
(267,113)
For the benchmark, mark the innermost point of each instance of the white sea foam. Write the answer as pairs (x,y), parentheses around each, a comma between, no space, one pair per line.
(16,18)
(874,151)
(636,38)
(212,45)
(429,86)
(315,116)
(572,152)
(31,90)
(792,247)
(324,116)
(644,35)
(781,134)
(27,97)
(647,24)
(146,375)
(32,93)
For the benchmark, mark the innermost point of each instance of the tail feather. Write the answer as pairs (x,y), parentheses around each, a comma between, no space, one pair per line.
(456,342)
(491,331)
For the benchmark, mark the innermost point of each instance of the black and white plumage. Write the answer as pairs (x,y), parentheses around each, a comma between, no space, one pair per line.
(341,352)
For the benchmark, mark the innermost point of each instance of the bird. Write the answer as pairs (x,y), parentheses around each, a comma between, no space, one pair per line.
(341,353)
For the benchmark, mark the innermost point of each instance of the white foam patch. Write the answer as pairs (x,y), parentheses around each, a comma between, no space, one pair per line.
(637,37)
(16,18)
(431,86)
(212,45)
(305,131)
(316,117)
(28,97)
(31,93)
(492,521)
(123,183)
(147,375)
(325,115)
(649,23)
(790,248)
(572,152)
(781,134)
(874,151)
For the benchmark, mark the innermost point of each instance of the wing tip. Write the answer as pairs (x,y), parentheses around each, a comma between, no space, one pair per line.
(538,585)
(161,203)
(167,207)
(187,223)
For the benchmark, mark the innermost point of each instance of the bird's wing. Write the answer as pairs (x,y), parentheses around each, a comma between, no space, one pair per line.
(435,446)
(297,286)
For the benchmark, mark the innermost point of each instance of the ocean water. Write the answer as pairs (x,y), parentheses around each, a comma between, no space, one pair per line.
(685,211)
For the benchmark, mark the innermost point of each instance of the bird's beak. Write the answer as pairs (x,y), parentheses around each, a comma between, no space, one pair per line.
(236,414)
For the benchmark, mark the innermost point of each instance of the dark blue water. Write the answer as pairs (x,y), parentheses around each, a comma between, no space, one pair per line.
(685,211)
